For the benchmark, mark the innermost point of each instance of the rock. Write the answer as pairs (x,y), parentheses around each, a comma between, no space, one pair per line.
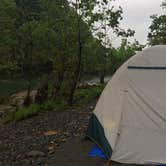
(35,153)
(86,85)
(51,149)
(18,98)
(50,133)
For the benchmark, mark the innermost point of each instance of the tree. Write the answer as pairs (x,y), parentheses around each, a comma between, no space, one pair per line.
(157,34)
(29,15)
(83,10)
(8,41)
(63,40)
(163,4)
(123,53)
(108,22)
(107,17)
(58,40)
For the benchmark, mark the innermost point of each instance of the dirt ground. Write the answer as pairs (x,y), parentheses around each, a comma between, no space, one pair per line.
(49,139)
(75,153)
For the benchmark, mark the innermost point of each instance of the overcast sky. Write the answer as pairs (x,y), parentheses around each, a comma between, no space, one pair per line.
(136,15)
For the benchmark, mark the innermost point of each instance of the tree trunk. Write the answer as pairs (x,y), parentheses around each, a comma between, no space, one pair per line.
(58,85)
(102,76)
(28,100)
(28,53)
(102,79)
(42,92)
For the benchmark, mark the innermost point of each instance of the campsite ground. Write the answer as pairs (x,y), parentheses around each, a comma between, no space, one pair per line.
(49,139)
(74,153)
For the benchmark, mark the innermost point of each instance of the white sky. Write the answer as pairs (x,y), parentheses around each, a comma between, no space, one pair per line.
(136,15)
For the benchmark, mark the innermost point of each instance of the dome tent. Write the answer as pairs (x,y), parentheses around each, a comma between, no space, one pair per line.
(129,121)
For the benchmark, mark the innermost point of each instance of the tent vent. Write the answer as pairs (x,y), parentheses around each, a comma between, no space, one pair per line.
(147,67)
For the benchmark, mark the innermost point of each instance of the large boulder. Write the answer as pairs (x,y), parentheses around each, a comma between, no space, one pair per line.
(18,98)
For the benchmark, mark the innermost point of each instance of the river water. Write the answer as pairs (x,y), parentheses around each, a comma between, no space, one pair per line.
(97,80)
(10,86)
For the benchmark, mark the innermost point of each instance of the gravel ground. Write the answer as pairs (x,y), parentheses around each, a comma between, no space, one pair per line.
(49,139)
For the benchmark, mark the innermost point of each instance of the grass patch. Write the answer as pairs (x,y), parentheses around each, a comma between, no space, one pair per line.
(22,113)
(84,96)
(34,109)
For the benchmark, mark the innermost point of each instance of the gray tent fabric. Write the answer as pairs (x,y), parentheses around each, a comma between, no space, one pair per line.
(131,111)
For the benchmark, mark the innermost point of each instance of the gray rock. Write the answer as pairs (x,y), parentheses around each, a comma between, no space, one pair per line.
(35,153)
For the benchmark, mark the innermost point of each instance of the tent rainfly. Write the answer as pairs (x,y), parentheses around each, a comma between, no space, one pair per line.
(129,121)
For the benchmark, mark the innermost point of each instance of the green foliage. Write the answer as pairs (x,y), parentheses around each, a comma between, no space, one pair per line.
(157,34)
(22,113)
(123,53)
(8,67)
(164,4)
(84,96)
(56,38)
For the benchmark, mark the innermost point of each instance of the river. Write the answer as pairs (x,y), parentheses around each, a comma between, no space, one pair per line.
(10,86)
